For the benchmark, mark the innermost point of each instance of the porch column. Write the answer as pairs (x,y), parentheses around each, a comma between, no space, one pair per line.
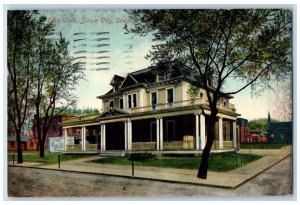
(126,134)
(83,137)
(103,136)
(161,133)
(197,131)
(129,135)
(202,131)
(65,138)
(234,135)
(221,133)
(124,101)
(157,134)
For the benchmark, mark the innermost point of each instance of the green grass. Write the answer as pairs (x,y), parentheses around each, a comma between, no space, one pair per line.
(261,146)
(218,162)
(50,158)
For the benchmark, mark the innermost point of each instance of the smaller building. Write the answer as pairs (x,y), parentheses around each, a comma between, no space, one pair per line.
(242,130)
(280,132)
(27,143)
(55,128)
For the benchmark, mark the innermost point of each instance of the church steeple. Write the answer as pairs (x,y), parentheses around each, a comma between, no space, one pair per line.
(269,120)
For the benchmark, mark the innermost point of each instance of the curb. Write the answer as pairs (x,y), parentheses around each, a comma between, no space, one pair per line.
(128,177)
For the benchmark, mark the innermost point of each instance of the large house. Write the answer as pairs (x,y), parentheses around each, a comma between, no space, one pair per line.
(151,109)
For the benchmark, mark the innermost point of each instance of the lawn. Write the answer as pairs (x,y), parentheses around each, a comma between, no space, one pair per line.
(50,158)
(218,162)
(261,146)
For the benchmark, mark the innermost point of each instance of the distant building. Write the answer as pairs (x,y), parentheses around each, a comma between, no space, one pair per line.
(27,143)
(55,128)
(280,132)
(242,130)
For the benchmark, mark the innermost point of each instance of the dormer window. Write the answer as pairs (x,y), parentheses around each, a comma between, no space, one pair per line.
(162,77)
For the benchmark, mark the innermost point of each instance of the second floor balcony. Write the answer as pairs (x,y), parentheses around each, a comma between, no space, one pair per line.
(181,104)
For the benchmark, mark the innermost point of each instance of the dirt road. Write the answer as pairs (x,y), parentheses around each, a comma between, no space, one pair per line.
(28,182)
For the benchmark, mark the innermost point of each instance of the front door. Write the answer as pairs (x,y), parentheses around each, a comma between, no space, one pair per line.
(170,125)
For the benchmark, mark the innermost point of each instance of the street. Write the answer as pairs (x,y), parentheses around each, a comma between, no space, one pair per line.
(29,182)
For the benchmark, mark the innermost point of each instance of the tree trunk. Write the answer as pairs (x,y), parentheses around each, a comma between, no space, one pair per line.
(42,152)
(202,171)
(19,147)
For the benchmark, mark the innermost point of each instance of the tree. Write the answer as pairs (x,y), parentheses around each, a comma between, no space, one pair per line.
(251,45)
(42,75)
(19,63)
(283,101)
(56,75)
(259,125)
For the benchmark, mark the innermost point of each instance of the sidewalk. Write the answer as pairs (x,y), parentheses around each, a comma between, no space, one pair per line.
(231,179)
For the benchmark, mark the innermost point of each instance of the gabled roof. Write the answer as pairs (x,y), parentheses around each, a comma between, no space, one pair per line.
(129,80)
(113,112)
(116,80)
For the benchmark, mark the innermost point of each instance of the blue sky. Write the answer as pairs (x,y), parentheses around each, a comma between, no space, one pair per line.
(99,34)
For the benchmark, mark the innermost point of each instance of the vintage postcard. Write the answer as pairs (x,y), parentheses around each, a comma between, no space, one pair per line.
(149,102)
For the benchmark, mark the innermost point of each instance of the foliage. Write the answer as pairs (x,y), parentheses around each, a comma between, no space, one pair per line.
(283,102)
(193,92)
(250,45)
(19,62)
(76,112)
(259,125)
(220,161)
(43,69)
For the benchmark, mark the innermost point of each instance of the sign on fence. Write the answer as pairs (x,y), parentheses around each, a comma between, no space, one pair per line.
(56,144)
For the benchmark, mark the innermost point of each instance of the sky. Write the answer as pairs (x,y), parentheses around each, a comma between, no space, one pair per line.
(98,39)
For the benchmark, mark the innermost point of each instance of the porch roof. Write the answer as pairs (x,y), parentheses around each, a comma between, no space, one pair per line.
(115,115)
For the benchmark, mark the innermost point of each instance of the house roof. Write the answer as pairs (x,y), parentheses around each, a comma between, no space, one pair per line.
(116,80)
(280,125)
(114,112)
(23,138)
(148,76)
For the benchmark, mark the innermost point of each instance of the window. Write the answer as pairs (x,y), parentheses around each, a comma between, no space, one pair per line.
(121,101)
(162,77)
(201,94)
(111,103)
(225,103)
(74,131)
(129,101)
(170,95)
(134,100)
(154,98)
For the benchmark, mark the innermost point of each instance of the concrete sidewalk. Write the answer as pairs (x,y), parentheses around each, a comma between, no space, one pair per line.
(231,179)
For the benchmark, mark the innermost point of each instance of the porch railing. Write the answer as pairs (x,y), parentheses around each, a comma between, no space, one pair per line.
(173,145)
(143,146)
(226,145)
(75,147)
(91,147)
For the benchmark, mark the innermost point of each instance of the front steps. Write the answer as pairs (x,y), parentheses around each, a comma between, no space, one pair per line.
(112,153)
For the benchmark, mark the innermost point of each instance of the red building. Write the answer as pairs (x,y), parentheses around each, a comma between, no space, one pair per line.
(243,130)
(55,128)
(27,143)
